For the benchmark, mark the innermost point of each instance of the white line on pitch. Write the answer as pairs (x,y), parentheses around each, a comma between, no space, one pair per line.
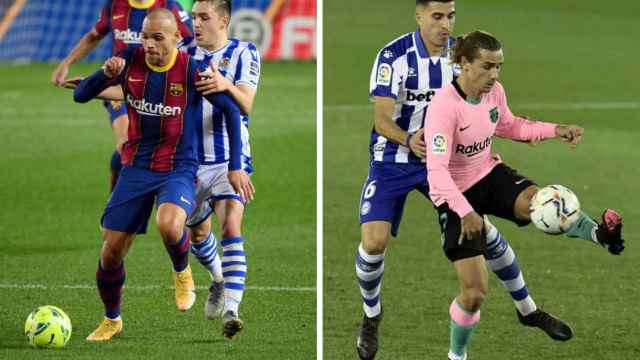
(148,287)
(607,105)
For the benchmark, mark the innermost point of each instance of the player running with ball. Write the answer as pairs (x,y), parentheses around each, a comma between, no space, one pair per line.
(467,181)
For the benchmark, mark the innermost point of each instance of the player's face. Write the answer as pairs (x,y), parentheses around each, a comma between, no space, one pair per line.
(208,24)
(484,71)
(436,21)
(159,38)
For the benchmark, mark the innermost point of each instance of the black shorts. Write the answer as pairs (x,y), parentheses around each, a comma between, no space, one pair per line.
(495,194)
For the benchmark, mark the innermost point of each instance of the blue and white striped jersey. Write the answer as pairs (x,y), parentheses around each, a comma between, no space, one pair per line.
(239,62)
(405,71)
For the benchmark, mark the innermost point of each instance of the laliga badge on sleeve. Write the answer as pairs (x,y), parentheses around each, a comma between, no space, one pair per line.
(384,75)
(439,144)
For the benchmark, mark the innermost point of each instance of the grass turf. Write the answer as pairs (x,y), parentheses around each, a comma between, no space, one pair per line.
(55,186)
(558,57)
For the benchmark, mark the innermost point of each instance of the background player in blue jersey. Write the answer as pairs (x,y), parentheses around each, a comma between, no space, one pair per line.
(223,183)
(405,76)
(159,158)
(123,20)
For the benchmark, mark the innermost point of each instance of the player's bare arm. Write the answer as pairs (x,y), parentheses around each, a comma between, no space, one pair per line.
(383,112)
(215,82)
(86,45)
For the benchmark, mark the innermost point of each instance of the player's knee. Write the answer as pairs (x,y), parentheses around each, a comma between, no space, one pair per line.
(112,254)
(374,244)
(523,202)
(170,230)
(199,234)
(231,227)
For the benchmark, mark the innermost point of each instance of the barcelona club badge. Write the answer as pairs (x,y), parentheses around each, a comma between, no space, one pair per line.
(175,89)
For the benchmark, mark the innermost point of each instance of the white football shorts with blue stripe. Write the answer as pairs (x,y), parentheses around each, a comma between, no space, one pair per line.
(213,185)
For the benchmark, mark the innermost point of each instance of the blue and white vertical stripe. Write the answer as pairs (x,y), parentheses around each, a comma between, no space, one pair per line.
(369,270)
(239,62)
(405,71)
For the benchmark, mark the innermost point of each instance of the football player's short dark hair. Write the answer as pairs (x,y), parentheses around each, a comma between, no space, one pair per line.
(222,7)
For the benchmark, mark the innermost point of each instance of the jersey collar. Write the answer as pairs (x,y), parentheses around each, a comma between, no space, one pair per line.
(165,68)
(142,5)
(422,50)
(467,98)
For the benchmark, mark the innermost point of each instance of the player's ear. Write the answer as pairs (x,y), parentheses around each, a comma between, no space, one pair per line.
(226,20)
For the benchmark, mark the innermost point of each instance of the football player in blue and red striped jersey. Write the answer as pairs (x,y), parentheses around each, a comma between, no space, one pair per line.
(159,157)
(123,19)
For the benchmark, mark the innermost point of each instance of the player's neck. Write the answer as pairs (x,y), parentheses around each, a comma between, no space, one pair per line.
(468,88)
(217,44)
(434,50)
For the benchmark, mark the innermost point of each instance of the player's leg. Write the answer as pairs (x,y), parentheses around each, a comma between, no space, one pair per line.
(381,204)
(506,186)
(204,246)
(607,234)
(229,211)
(469,263)
(369,269)
(175,199)
(110,278)
(126,214)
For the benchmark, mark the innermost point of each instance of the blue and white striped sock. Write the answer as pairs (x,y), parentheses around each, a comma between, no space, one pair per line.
(234,271)
(502,261)
(369,270)
(207,254)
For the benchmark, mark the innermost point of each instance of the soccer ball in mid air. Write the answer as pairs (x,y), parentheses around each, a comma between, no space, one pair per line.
(48,327)
(554,209)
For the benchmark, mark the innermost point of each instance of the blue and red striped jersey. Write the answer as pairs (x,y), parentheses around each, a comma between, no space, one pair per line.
(161,104)
(124,20)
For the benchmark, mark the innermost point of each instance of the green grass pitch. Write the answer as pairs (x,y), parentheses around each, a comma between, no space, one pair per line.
(53,190)
(566,61)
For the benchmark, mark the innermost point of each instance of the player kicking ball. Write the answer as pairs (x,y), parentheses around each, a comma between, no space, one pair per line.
(467,181)
(159,163)
(407,73)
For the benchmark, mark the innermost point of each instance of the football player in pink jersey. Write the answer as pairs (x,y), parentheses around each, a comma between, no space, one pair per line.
(467,181)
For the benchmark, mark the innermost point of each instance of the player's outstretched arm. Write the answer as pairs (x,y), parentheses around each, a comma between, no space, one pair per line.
(95,84)
(86,45)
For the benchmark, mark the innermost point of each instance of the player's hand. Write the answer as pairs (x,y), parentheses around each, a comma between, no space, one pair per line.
(72,83)
(242,184)
(417,144)
(570,133)
(113,66)
(471,227)
(211,82)
(58,75)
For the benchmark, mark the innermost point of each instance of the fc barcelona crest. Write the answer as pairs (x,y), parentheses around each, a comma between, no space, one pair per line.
(494,115)
(175,89)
